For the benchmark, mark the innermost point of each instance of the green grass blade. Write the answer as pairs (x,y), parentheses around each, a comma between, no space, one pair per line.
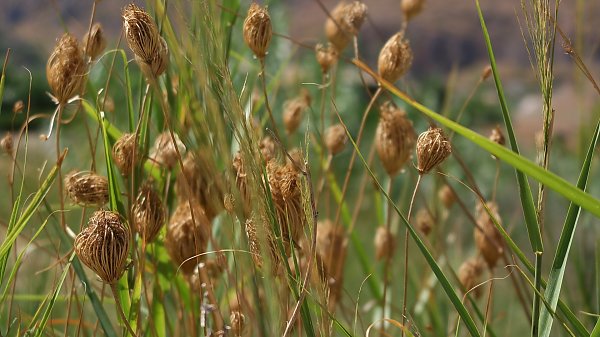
(559,264)
(3,79)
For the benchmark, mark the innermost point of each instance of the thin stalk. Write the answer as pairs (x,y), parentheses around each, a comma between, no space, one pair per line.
(496,178)
(536,300)
(113,287)
(406,238)
(388,258)
(60,179)
(263,81)
(488,305)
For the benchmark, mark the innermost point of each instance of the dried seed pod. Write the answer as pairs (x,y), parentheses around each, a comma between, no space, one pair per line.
(331,249)
(335,139)
(497,136)
(164,152)
(268,148)
(395,58)
(148,212)
(87,188)
(123,153)
(239,327)
(199,179)
(257,30)
(394,138)
(7,143)
(327,56)
(470,272)
(344,23)
(150,49)
(94,42)
(103,245)
(18,107)
(425,221)
(293,111)
(432,149)
(65,69)
(188,233)
(384,243)
(487,238)
(410,8)
(446,196)
(486,73)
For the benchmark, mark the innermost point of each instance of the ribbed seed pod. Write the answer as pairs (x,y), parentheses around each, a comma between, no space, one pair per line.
(487,238)
(268,148)
(470,272)
(344,23)
(293,112)
(87,188)
(148,212)
(326,55)
(257,30)
(394,138)
(410,8)
(199,179)
(150,49)
(94,42)
(384,243)
(432,149)
(187,235)
(497,136)
(123,153)
(164,153)
(335,139)
(65,69)
(425,221)
(239,327)
(395,58)
(7,143)
(103,245)
(446,196)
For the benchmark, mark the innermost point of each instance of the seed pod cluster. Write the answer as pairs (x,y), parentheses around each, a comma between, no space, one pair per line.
(123,153)
(335,139)
(432,149)
(394,138)
(257,30)
(410,8)
(326,55)
(395,58)
(150,49)
(488,240)
(188,233)
(94,42)
(470,272)
(344,23)
(425,221)
(103,245)
(384,243)
(65,69)
(87,188)
(164,152)
(148,212)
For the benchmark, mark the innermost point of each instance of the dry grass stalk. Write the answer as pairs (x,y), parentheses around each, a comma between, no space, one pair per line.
(488,240)
(94,42)
(433,147)
(394,139)
(148,212)
(395,58)
(65,69)
(384,243)
(344,23)
(87,188)
(327,56)
(123,153)
(335,139)
(257,30)
(164,153)
(103,245)
(470,272)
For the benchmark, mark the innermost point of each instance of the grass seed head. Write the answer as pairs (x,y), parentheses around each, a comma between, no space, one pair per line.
(258,30)
(470,272)
(123,153)
(432,149)
(394,138)
(395,58)
(384,243)
(148,212)
(425,221)
(187,235)
(327,56)
(150,49)
(7,143)
(344,23)
(487,238)
(65,69)
(335,139)
(164,152)
(103,245)
(411,8)
(446,196)
(87,188)
(94,42)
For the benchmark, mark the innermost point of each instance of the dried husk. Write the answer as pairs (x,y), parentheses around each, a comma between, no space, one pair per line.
(384,243)
(425,221)
(326,55)
(87,188)
(94,42)
(331,249)
(123,153)
(432,149)
(394,138)
(488,240)
(395,58)
(164,152)
(7,143)
(149,212)
(470,272)
(344,23)
(293,112)
(257,30)
(335,139)
(65,69)
(446,196)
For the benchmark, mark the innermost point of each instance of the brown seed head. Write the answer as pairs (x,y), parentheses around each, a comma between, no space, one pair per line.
(65,69)
(284,184)
(18,107)
(496,136)
(470,272)
(327,56)
(87,188)
(7,143)
(123,153)
(148,212)
(384,243)
(335,139)
(94,42)
(432,149)
(425,221)
(293,111)
(164,153)
(187,235)
(394,138)
(344,23)
(150,49)
(103,245)
(258,30)
(410,8)
(446,196)
(395,58)
(487,238)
